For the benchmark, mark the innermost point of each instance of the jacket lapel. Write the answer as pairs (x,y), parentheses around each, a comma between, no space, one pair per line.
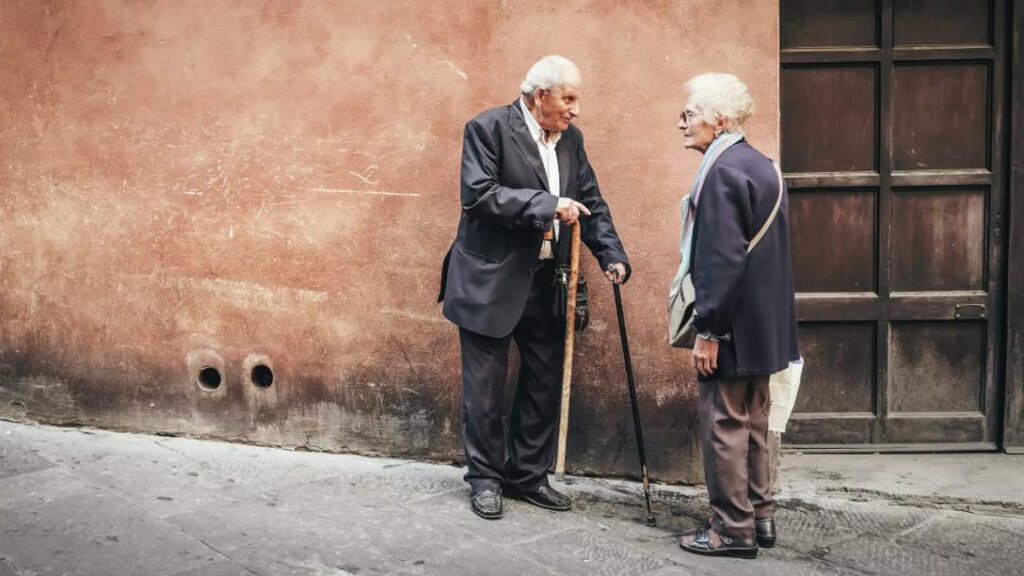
(562,151)
(522,138)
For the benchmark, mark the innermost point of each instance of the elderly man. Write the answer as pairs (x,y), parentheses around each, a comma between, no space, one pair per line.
(525,180)
(745,313)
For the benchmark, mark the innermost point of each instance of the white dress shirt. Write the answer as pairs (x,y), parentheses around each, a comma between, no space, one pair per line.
(546,142)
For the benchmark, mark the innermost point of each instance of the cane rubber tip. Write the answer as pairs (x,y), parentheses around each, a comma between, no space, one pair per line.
(651,521)
(560,476)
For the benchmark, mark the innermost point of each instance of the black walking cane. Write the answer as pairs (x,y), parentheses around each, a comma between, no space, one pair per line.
(636,409)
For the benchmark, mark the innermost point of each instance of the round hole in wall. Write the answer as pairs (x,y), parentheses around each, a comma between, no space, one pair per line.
(262,376)
(209,378)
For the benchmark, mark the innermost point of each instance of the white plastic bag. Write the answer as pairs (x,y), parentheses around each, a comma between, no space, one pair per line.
(783,388)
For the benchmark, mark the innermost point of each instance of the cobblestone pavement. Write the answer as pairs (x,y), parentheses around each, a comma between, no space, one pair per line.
(94,502)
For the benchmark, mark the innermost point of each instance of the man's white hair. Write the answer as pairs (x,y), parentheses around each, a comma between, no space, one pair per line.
(714,95)
(550,72)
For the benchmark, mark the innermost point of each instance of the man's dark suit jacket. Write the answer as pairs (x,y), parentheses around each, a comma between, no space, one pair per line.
(747,295)
(506,208)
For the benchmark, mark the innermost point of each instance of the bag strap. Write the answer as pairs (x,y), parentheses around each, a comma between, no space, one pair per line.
(771,218)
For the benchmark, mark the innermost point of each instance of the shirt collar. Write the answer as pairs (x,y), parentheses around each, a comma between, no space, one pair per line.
(536,132)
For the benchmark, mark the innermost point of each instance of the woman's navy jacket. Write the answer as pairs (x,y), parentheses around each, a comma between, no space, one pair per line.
(747,296)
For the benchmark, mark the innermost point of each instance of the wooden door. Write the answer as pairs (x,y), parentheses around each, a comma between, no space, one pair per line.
(893,144)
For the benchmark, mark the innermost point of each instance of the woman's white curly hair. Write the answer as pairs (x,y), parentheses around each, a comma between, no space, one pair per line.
(716,95)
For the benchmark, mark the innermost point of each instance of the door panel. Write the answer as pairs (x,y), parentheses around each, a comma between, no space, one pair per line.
(829,23)
(936,367)
(938,240)
(936,22)
(847,382)
(940,114)
(819,218)
(841,141)
(893,145)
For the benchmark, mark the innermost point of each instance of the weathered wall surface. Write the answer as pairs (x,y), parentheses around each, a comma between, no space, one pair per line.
(188,183)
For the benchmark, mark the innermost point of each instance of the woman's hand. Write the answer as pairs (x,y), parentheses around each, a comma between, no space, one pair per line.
(705,356)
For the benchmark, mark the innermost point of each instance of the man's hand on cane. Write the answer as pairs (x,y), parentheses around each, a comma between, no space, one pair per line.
(616,273)
(569,210)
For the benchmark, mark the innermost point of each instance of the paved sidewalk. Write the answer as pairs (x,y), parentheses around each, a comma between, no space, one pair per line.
(957,480)
(94,502)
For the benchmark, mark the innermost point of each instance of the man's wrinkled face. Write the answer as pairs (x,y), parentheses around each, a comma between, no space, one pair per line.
(697,133)
(558,107)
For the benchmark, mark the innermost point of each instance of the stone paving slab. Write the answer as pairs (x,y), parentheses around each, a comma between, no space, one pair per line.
(925,478)
(98,534)
(586,550)
(39,487)
(95,502)
(17,458)
(223,568)
(6,568)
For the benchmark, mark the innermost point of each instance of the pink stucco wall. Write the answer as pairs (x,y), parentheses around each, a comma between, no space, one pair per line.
(188,183)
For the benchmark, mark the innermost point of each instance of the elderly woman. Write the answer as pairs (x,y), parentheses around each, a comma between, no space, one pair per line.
(737,237)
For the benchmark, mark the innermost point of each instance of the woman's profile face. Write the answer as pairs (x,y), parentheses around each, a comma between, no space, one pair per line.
(697,133)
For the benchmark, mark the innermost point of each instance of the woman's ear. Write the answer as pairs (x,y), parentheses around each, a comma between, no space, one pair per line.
(721,124)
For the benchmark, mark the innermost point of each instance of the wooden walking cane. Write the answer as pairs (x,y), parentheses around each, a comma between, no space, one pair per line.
(570,335)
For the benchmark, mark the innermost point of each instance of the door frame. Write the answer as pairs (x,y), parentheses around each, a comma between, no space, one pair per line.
(1013,423)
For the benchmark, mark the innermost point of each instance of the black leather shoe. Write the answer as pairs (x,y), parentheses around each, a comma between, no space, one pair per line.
(487,504)
(699,542)
(765,529)
(546,497)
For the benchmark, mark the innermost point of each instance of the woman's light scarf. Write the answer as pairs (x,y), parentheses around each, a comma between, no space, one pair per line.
(689,204)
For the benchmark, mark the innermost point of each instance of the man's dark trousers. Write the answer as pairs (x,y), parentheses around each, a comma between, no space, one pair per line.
(734,442)
(539,336)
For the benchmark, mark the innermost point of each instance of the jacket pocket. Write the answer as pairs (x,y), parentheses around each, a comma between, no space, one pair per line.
(479,256)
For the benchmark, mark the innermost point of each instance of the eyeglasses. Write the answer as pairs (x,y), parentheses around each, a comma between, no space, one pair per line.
(689,116)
